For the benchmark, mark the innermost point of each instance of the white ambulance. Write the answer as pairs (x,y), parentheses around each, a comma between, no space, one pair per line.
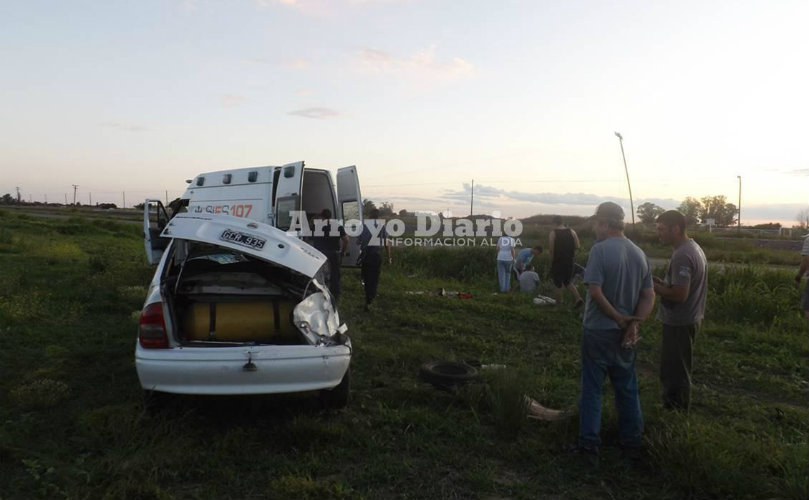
(238,303)
(268,194)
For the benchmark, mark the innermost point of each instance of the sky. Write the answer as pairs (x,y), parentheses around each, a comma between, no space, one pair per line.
(129,99)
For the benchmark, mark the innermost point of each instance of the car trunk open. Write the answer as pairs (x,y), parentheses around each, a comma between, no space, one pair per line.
(220,293)
(229,306)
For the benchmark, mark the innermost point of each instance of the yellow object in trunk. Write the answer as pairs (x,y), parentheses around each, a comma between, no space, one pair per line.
(252,321)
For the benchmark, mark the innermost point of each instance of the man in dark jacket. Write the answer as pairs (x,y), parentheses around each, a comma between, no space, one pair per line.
(332,241)
(371,254)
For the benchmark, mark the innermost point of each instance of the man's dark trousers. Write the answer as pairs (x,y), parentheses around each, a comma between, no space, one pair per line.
(675,364)
(371,267)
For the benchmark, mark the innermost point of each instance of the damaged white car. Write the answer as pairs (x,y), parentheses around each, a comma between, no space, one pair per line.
(239,307)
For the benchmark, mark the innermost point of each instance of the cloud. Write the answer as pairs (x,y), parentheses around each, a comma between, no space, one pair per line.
(310,7)
(316,113)
(424,64)
(230,100)
(320,7)
(296,63)
(492,194)
(190,5)
(126,127)
(800,172)
(489,193)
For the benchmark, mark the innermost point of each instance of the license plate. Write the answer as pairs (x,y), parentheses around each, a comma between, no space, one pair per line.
(243,239)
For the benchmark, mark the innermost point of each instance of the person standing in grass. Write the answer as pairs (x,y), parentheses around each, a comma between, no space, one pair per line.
(563,243)
(804,267)
(371,254)
(620,295)
(332,241)
(682,294)
(505,260)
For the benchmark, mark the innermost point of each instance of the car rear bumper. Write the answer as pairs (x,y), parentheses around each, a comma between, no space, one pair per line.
(225,370)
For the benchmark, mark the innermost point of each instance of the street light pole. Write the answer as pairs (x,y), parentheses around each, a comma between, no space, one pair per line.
(740,203)
(472,203)
(626,170)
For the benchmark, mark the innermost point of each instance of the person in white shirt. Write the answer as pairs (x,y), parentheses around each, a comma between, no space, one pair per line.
(505,260)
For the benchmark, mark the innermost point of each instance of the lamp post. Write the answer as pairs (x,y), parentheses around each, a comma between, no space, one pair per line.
(740,203)
(631,203)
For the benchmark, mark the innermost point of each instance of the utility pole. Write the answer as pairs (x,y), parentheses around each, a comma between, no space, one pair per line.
(18,194)
(740,203)
(631,203)
(124,193)
(472,203)
(91,198)
(75,188)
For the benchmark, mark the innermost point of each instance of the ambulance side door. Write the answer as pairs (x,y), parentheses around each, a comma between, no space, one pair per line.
(287,194)
(155,219)
(349,202)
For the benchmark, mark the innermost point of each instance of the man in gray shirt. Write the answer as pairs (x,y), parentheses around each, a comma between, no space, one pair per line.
(529,280)
(682,306)
(619,297)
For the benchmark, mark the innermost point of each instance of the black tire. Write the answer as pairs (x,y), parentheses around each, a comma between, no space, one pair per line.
(154,401)
(336,398)
(447,374)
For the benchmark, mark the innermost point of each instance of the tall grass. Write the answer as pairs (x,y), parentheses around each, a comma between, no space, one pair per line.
(74,426)
(753,295)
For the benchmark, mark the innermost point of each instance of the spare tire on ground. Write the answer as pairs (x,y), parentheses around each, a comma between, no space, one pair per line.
(447,374)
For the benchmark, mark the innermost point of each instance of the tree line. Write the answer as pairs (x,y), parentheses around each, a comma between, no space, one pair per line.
(696,211)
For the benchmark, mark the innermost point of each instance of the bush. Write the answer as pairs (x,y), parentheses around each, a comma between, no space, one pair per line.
(40,394)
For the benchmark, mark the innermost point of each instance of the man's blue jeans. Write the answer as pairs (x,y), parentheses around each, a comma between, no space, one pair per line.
(504,275)
(601,356)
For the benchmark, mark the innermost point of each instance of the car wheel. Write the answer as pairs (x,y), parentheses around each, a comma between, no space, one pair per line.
(154,401)
(336,398)
(447,374)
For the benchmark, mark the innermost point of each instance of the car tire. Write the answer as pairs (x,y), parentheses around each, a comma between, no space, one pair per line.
(336,398)
(154,401)
(447,374)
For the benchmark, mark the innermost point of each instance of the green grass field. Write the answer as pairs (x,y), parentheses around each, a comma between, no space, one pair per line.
(73,424)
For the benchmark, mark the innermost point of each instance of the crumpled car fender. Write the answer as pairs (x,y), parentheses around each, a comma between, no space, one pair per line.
(316,318)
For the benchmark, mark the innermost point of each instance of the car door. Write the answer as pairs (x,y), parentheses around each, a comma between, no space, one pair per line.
(349,201)
(287,194)
(155,219)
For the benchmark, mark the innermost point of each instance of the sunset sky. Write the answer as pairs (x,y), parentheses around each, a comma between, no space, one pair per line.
(423,96)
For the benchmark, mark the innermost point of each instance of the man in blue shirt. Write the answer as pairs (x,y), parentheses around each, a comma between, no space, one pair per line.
(620,295)
(524,257)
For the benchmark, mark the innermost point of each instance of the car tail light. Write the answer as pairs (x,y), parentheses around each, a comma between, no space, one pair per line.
(152,328)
